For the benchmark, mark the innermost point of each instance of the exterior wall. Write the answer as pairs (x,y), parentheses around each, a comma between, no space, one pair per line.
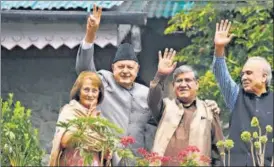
(42,79)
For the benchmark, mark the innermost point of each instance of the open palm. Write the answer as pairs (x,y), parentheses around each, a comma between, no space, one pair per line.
(222,36)
(166,64)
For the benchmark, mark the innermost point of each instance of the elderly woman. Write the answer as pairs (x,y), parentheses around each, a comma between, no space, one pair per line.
(85,95)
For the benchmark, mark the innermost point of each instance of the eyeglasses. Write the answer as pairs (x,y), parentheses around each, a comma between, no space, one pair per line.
(187,80)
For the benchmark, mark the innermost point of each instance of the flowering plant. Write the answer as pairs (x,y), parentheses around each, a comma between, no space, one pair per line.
(150,158)
(124,152)
(227,145)
(257,140)
(190,156)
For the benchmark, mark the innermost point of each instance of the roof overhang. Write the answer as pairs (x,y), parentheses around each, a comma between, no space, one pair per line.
(108,17)
(57,28)
(25,35)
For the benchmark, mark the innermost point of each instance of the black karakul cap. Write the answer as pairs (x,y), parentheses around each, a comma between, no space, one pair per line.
(125,52)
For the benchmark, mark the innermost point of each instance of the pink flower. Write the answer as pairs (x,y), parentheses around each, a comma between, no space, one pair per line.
(186,157)
(182,154)
(142,151)
(152,157)
(205,159)
(192,149)
(165,159)
(126,140)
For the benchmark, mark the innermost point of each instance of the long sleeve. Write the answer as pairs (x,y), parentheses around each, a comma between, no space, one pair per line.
(228,87)
(85,58)
(155,96)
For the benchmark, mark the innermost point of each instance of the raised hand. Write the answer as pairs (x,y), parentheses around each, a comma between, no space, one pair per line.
(92,109)
(93,23)
(166,64)
(222,36)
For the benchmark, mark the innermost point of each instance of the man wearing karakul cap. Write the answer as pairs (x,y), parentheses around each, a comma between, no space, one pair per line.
(125,102)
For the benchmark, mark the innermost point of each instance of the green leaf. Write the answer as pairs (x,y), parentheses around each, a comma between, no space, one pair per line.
(253,26)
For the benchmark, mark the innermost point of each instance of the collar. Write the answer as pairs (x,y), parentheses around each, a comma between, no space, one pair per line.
(252,95)
(76,105)
(179,103)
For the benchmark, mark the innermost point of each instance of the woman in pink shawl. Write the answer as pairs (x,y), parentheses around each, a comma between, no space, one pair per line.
(85,95)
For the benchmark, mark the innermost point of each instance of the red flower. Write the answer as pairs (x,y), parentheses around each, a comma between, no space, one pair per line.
(205,159)
(152,157)
(142,151)
(192,149)
(182,154)
(165,159)
(126,140)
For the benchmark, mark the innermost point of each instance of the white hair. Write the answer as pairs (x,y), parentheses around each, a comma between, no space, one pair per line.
(266,67)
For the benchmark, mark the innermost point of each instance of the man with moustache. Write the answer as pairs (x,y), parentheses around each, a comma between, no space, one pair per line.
(251,98)
(185,120)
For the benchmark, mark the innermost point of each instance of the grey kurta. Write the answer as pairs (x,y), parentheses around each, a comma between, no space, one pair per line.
(127,108)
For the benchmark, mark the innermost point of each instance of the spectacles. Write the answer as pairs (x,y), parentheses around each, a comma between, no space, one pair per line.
(187,80)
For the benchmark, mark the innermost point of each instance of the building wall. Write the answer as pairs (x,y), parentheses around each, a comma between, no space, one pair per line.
(42,79)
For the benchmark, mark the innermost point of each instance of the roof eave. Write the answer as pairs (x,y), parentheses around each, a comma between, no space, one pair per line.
(108,17)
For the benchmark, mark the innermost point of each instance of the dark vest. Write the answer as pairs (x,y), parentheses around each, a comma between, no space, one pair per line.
(247,106)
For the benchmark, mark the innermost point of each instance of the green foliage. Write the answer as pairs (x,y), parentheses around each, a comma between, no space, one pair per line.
(142,162)
(20,143)
(252,25)
(106,138)
(126,155)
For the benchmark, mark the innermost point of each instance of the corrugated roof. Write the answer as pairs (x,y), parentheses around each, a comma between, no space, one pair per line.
(42,5)
(158,9)
(154,8)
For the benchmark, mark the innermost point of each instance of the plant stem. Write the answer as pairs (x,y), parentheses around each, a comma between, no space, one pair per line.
(252,153)
(258,156)
(224,159)
(228,157)
(260,134)
(102,157)
(262,156)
